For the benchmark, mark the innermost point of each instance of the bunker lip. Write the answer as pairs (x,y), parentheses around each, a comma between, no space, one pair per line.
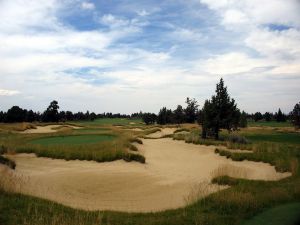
(173,170)
(46,129)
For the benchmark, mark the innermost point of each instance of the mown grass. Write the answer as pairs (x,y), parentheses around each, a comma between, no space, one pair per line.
(252,123)
(232,206)
(275,136)
(111,121)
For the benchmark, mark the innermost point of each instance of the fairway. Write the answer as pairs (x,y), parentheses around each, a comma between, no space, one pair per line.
(73,139)
(111,121)
(292,138)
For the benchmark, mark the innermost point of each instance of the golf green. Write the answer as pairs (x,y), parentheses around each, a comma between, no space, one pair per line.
(73,139)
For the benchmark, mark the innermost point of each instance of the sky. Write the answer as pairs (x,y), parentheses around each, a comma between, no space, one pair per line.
(126,56)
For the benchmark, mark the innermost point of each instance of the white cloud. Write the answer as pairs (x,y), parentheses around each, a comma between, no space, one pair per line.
(143,13)
(87,5)
(275,44)
(4,92)
(257,11)
(232,63)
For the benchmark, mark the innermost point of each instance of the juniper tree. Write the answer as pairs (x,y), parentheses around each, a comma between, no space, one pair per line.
(295,114)
(219,112)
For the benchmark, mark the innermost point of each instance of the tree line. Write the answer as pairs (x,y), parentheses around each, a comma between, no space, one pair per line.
(52,114)
(218,112)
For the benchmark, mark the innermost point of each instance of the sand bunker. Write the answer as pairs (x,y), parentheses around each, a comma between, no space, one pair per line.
(173,171)
(46,129)
(163,132)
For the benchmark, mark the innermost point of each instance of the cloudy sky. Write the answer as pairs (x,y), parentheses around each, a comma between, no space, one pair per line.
(126,55)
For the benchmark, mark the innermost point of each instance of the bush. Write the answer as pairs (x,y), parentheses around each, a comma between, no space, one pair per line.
(7,162)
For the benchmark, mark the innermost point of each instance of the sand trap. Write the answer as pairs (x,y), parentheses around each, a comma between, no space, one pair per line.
(163,132)
(46,129)
(134,129)
(174,170)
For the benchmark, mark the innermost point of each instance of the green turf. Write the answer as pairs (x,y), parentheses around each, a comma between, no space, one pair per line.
(269,124)
(287,214)
(73,139)
(110,121)
(280,137)
(90,130)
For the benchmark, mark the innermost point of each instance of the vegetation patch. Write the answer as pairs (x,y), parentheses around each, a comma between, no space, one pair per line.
(8,162)
(72,139)
(225,180)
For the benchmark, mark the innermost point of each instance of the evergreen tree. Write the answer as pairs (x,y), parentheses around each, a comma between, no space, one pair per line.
(162,116)
(51,114)
(295,115)
(257,116)
(30,117)
(191,110)
(267,116)
(149,118)
(219,112)
(15,114)
(243,120)
(179,115)
(279,116)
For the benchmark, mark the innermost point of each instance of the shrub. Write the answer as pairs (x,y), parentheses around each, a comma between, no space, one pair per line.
(7,162)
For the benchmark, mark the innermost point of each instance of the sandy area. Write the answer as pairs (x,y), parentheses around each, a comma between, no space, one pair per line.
(46,129)
(174,170)
(134,129)
(164,131)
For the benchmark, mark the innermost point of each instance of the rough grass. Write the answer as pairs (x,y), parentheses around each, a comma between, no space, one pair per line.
(73,139)
(232,206)
(70,145)
(286,214)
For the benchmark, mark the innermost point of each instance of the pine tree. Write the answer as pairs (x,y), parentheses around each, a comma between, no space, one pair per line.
(295,114)
(280,117)
(51,114)
(178,115)
(243,120)
(191,110)
(219,112)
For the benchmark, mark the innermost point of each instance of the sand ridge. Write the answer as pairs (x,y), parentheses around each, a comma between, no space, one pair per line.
(163,132)
(172,169)
(47,129)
